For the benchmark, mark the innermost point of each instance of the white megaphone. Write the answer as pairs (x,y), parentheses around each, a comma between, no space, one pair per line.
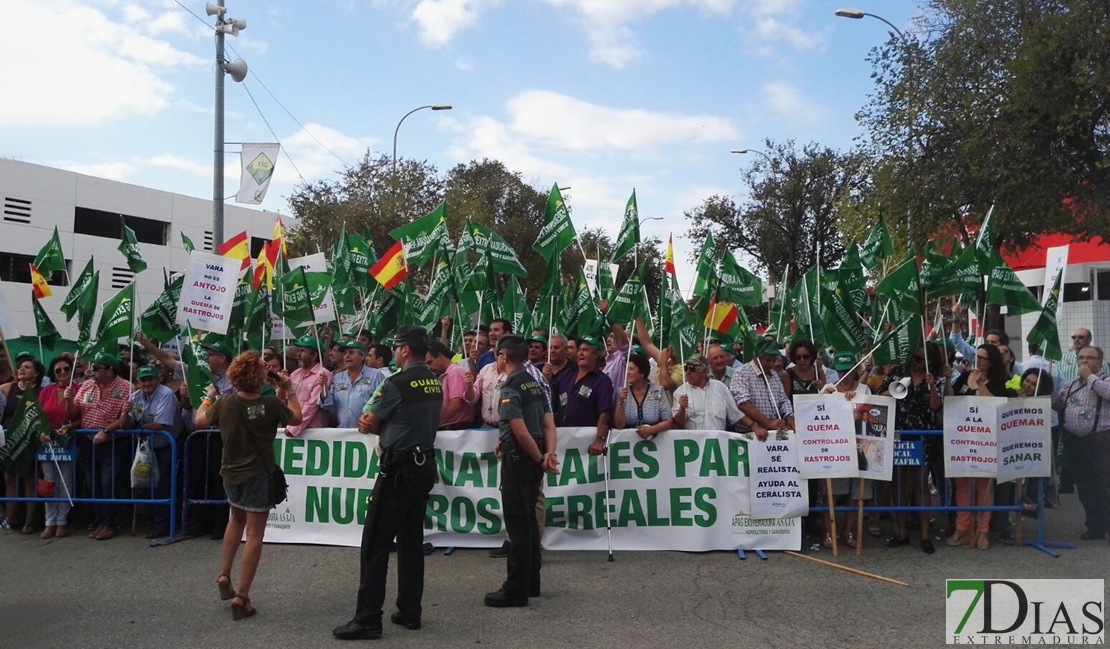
(900,389)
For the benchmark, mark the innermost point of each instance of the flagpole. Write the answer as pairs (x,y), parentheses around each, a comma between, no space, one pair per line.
(862,359)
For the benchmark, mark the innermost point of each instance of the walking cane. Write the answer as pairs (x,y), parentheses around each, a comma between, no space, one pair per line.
(608,522)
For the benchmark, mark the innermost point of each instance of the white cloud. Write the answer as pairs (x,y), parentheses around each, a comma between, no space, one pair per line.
(464,63)
(98,67)
(109,170)
(558,121)
(605,22)
(313,160)
(178,163)
(770,22)
(787,101)
(173,22)
(440,20)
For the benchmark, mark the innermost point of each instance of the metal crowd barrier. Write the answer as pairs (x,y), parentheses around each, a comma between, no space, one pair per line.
(211,475)
(74,457)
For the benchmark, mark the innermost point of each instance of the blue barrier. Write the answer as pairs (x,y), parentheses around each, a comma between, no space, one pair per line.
(170,502)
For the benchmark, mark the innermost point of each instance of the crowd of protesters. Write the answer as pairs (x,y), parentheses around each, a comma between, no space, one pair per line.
(615,382)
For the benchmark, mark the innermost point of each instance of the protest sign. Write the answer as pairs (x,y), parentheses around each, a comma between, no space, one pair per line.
(971,437)
(826,436)
(777,488)
(875,425)
(1025,439)
(208,292)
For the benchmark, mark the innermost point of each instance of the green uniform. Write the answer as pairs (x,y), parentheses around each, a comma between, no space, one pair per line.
(522,398)
(408,403)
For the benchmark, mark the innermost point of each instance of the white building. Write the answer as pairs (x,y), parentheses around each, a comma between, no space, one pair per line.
(87,211)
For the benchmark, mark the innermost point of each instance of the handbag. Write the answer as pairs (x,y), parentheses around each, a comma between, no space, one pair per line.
(45,488)
(279,488)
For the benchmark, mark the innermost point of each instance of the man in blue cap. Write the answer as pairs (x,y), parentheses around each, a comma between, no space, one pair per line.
(155,407)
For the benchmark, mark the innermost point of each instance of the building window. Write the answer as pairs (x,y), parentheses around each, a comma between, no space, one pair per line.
(258,242)
(17,269)
(1102,284)
(1077,292)
(98,223)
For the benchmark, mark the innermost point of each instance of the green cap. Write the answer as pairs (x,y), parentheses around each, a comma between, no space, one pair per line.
(220,348)
(147,372)
(844,361)
(538,339)
(106,359)
(308,342)
(352,344)
(768,347)
(593,342)
(23,356)
(949,345)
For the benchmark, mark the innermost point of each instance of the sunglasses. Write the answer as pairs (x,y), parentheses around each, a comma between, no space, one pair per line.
(100,367)
(691,368)
(1078,337)
(802,357)
(62,370)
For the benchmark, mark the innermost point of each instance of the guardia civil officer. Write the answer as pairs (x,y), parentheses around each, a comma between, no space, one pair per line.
(526,445)
(404,414)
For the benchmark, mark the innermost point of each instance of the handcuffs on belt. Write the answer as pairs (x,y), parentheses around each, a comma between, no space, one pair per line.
(387,458)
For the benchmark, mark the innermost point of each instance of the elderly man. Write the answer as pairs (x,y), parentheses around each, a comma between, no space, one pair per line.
(345,396)
(155,407)
(558,360)
(456,414)
(1087,438)
(585,397)
(704,403)
(1069,364)
(758,392)
(720,364)
(310,381)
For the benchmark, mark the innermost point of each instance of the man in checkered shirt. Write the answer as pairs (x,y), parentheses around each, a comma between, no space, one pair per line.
(759,394)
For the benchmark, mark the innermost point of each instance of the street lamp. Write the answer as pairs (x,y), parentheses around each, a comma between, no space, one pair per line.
(856,14)
(398,129)
(757,152)
(237,70)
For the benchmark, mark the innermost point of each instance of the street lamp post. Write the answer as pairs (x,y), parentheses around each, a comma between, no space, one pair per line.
(398,129)
(237,70)
(856,14)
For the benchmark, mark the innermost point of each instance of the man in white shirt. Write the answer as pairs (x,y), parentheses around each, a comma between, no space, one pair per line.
(704,403)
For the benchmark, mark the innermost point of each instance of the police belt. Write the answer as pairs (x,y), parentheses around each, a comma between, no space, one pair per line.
(511,447)
(394,459)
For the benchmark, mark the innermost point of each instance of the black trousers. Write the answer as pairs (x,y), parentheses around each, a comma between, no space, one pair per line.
(1089,459)
(520,488)
(396,511)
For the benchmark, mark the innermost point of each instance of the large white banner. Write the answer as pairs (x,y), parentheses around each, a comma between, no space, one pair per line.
(826,436)
(208,292)
(1025,439)
(777,488)
(257,162)
(684,491)
(875,426)
(971,437)
(590,270)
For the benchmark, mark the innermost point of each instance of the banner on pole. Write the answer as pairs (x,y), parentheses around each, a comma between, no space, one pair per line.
(875,426)
(684,492)
(258,162)
(323,306)
(208,293)
(826,436)
(1056,262)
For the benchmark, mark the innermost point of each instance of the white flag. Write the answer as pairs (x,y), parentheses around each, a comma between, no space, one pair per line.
(258,162)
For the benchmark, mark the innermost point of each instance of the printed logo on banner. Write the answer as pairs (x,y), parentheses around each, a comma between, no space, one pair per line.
(1024,611)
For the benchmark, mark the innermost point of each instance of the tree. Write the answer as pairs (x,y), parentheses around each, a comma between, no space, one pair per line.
(998,102)
(794,201)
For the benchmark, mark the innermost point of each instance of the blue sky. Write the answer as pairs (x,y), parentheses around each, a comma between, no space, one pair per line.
(598,95)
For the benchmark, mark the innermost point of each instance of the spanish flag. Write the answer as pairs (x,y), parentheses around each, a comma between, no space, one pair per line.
(237,247)
(279,236)
(668,260)
(721,316)
(264,266)
(391,270)
(38,284)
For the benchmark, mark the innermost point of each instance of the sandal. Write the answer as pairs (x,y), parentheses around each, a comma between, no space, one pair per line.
(897,541)
(242,611)
(226,591)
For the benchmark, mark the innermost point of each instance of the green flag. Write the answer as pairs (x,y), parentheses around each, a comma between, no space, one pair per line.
(115,322)
(684,335)
(159,320)
(130,249)
(198,376)
(78,292)
(706,270)
(423,237)
(1045,333)
(961,276)
(630,303)
(86,308)
(585,319)
(842,327)
(437,303)
(985,250)
(50,257)
(187,243)
(737,285)
(557,232)
(878,245)
(291,300)
(894,347)
(606,283)
(259,325)
(361,256)
(810,324)
(549,313)
(45,330)
(853,278)
(516,309)
(28,423)
(503,258)
(1004,287)
(318,286)
(629,236)
(902,288)
(234,334)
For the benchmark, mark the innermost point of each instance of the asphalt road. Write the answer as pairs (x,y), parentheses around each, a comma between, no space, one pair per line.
(78,593)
